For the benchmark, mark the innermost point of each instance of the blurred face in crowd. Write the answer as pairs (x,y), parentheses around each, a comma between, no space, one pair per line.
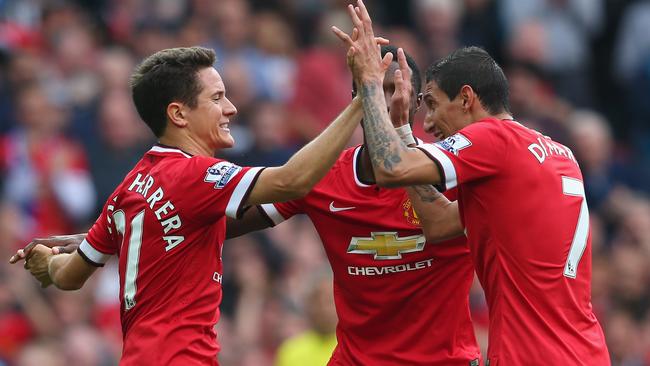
(38,113)
(444,117)
(320,307)
(209,121)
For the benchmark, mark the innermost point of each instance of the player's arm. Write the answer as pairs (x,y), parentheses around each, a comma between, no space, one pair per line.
(305,168)
(439,217)
(252,220)
(308,166)
(394,163)
(67,271)
(59,243)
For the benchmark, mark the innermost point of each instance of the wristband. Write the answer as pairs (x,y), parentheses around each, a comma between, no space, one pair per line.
(406,134)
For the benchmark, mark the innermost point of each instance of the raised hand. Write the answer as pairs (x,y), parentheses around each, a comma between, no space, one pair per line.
(400,102)
(364,56)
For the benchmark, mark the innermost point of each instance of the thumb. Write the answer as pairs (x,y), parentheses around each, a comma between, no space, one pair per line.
(20,254)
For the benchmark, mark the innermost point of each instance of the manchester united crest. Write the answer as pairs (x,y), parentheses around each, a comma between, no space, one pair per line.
(409,213)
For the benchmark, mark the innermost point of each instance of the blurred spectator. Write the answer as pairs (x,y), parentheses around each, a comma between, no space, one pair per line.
(84,346)
(271,136)
(480,26)
(438,21)
(632,69)
(314,346)
(533,101)
(593,146)
(274,39)
(556,34)
(45,174)
(124,138)
(321,79)
(41,353)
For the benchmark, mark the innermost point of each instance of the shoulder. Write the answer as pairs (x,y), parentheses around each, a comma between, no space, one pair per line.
(486,126)
(199,164)
(343,166)
(489,132)
(348,157)
(214,170)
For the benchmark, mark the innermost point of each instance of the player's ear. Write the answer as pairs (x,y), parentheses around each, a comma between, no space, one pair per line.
(176,114)
(467,96)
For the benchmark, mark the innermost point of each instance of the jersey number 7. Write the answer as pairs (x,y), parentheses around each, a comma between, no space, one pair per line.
(574,187)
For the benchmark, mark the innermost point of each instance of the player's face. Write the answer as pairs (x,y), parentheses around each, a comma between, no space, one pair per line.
(389,89)
(209,121)
(443,117)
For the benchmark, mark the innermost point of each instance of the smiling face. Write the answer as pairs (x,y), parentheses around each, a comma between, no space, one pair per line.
(209,121)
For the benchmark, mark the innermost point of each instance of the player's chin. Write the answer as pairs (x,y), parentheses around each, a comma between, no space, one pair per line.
(228,142)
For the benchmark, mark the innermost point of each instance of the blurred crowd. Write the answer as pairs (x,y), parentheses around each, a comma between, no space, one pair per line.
(579,71)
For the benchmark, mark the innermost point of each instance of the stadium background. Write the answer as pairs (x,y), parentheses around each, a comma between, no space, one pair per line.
(579,71)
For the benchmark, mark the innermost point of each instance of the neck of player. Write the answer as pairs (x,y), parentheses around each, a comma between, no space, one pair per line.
(188,144)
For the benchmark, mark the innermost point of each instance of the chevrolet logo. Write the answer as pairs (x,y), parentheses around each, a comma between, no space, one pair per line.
(386,245)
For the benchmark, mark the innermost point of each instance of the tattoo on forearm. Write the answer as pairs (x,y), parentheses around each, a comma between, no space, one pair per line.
(384,148)
(427,193)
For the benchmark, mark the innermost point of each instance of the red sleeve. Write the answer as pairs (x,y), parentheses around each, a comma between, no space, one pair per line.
(280,211)
(101,242)
(475,152)
(216,187)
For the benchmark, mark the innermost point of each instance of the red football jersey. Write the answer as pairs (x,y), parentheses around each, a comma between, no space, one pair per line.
(166,222)
(521,199)
(399,300)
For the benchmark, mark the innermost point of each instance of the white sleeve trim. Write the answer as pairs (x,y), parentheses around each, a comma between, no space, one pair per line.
(447,166)
(354,168)
(241,191)
(273,213)
(93,254)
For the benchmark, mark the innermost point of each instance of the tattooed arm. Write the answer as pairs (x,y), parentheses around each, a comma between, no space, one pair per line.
(439,218)
(394,164)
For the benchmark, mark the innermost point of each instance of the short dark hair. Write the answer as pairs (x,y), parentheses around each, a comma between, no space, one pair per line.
(167,76)
(472,66)
(416,76)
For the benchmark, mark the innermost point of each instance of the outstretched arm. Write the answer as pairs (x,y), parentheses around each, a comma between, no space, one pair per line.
(65,271)
(308,166)
(252,220)
(58,243)
(305,168)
